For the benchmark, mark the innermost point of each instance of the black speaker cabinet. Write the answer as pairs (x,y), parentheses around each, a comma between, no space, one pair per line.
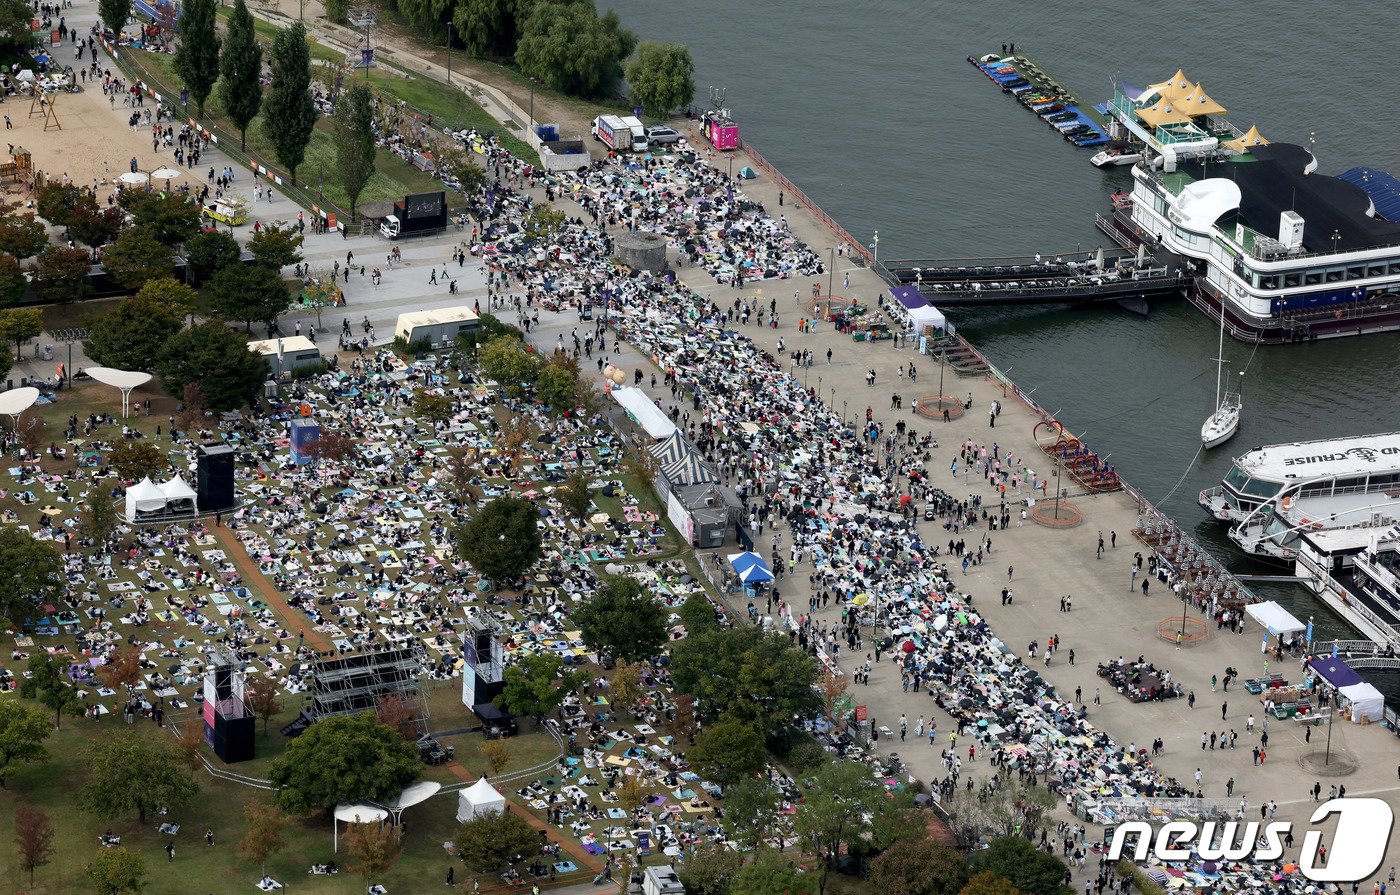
(214,478)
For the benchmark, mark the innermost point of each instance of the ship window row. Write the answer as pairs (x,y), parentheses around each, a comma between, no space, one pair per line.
(1318,276)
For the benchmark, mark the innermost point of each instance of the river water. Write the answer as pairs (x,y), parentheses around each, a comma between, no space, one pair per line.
(874,111)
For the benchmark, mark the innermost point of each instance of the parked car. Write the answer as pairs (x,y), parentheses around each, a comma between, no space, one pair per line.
(663,136)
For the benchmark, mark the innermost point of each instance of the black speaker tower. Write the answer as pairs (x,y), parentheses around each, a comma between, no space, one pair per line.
(214,478)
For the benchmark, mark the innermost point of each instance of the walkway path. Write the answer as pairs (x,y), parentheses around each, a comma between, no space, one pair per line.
(257,582)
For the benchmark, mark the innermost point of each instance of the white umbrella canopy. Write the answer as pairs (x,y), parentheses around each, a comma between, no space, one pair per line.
(166,174)
(133,177)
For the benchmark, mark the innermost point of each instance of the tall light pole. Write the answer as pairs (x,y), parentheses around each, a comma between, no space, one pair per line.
(532,105)
(876,246)
(830,277)
(70,335)
(449,52)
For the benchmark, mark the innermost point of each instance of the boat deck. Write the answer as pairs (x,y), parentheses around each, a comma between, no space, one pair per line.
(1033,87)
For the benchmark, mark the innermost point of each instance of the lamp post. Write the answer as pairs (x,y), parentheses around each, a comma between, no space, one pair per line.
(1336,238)
(449,52)
(830,277)
(843,412)
(876,246)
(70,335)
(1058,463)
(942,368)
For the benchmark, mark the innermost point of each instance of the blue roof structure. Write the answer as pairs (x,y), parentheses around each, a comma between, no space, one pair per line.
(1383,188)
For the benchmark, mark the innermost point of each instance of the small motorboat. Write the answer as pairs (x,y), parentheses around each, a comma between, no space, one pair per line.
(1116,154)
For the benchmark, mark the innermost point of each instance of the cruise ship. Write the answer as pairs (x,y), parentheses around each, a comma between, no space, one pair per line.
(1274,530)
(1281,474)
(1355,573)
(1291,254)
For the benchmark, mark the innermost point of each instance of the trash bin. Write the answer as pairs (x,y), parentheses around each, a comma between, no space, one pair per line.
(48,352)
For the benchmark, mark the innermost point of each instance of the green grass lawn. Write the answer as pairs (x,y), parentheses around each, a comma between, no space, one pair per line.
(219,806)
(448,106)
(266,31)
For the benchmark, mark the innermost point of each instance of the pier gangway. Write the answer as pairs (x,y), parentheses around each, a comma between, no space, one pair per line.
(1360,654)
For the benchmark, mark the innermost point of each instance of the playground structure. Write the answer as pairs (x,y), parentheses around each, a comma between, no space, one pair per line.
(1076,460)
(45,105)
(18,167)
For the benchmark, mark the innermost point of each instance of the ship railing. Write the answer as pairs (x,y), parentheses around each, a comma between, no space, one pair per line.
(1382,576)
(1346,598)
(1347,647)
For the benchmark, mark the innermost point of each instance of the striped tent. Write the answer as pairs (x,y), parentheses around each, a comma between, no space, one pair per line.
(689,469)
(670,450)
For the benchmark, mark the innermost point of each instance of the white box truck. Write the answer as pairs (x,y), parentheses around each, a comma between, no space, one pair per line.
(620,134)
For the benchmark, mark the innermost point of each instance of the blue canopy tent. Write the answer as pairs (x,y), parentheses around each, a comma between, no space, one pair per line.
(750,567)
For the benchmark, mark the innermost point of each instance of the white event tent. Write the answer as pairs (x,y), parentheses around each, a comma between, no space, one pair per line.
(479,799)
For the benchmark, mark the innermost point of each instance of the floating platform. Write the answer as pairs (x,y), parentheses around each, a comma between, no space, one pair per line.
(1019,75)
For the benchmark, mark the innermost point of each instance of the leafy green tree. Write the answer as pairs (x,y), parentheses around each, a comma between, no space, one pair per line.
(240,70)
(136,257)
(835,811)
(210,252)
(535,686)
(543,223)
(710,870)
(570,48)
(354,140)
(47,683)
(13,282)
(7,360)
(502,541)
(490,842)
(33,574)
(772,873)
(169,218)
(22,235)
(218,359)
(19,325)
(251,293)
(662,76)
(16,40)
(988,883)
(132,334)
(576,494)
(34,838)
(469,174)
(95,226)
(728,752)
(61,274)
(264,837)
(288,113)
(22,733)
(128,772)
(57,202)
(337,11)
(919,867)
(135,459)
(623,620)
(490,27)
(373,848)
(556,389)
(698,615)
(432,406)
(1016,860)
(506,361)
(344,758)
(98,520)
(197,58)
(276,246)
(114,13)
(170,295)
(751,809)
(116,870)
(754,677)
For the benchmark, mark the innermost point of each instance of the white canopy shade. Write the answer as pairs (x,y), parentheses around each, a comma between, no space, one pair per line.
(133,178)
(123,379)
(927,316)
(359,814)
(166,174)
(412,795)
(143,497)
(1366,702)
(1274,618)
(478,799)
(644,410)
(18,400)
(177,489)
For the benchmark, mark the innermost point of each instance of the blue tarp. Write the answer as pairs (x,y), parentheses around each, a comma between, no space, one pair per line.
(1382,187)
(1335,672)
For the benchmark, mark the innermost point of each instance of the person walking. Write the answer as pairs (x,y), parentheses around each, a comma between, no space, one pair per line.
(169,852)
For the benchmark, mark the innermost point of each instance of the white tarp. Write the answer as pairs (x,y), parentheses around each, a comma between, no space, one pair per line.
(927,316)
(177,489)
(143,497)
(1274,618)
(1366,702)
(644,411)
(479,798)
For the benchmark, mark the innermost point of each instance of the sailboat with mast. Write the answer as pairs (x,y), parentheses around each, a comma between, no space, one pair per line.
(1222,425)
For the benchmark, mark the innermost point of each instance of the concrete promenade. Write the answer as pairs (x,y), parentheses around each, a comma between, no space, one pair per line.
(1110,617)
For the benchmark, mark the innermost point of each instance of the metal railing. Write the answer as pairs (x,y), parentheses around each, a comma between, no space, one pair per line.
(793,191)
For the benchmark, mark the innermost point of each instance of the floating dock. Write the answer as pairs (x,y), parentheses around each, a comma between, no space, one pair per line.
(1104,275)
(1020,76)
